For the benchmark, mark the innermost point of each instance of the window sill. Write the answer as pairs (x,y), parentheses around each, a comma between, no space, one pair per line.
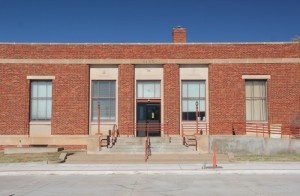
(41,122)
(193,121)
(258,122)
(103,122)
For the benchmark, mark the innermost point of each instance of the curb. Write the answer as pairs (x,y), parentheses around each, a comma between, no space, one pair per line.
(144,172)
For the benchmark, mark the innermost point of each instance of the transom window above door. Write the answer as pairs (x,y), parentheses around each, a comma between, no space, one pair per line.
(148,89)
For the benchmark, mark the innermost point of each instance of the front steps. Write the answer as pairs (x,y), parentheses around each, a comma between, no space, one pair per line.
(158,145)
(132,150)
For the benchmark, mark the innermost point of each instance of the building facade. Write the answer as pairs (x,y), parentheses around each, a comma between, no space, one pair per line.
(50,92)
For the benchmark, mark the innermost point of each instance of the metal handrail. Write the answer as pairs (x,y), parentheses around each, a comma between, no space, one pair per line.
(141,127)
(146,150)
(200,128)
(191,129)
(147,144)
(266,129)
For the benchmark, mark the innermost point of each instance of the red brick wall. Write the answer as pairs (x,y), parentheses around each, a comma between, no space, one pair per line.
(14,100)
(126,98)
(172,98)
(149,51)
(71,86)
(70,98)
(227,93)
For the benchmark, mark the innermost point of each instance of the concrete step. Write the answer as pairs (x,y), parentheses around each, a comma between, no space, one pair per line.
(171,149)
(152,139)
(105,158)
(136,145)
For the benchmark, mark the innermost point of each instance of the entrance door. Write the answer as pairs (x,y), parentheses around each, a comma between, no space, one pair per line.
(148,116)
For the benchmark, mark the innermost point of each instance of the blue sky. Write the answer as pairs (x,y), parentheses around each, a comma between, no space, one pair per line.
(148,20)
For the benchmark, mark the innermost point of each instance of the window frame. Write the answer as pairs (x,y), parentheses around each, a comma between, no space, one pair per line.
(46,98)
(194,98)
(109,98)
(265,99)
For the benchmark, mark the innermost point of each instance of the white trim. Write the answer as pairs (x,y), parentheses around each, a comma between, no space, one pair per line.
(39,122)
(256,77)
(40,77)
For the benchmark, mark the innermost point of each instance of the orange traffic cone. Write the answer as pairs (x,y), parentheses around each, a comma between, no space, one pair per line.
(215,157)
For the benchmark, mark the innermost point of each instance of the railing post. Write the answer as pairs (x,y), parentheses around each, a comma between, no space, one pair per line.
(146,149)
(98,118)
(147,130)
(269,130)
(197,116)
(256,130)
(182,134)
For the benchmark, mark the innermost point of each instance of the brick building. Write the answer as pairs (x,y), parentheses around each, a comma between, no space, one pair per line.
(50,92)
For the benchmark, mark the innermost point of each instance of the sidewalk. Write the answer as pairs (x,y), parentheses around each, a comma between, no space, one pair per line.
(178,169)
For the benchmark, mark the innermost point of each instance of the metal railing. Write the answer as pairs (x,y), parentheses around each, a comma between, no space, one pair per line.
(142,129)
(147,147)
(266,129)
(190,130)
(110,139)
(194,128)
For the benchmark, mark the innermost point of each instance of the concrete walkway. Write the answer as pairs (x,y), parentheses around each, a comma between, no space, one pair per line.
(119,158)
(181,169)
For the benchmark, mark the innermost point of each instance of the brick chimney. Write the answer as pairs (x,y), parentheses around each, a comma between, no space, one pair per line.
(179,35)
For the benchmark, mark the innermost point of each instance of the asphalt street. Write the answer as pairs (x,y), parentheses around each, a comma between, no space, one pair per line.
(153,184)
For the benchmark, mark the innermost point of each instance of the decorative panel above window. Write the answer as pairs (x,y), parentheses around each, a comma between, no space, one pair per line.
(41,100)
(256,100)
(148,89)
(104,93)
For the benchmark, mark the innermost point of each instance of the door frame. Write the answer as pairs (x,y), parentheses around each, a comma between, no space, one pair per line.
(150,101)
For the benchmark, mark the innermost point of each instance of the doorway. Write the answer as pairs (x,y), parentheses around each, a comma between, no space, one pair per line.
(148,117)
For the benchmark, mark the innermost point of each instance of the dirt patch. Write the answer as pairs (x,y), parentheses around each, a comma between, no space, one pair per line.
(23,158)
(281,157)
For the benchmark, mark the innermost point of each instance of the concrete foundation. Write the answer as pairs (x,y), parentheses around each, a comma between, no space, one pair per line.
(249,145)
(11,140)
(16,150)
(225,144)
(92,144)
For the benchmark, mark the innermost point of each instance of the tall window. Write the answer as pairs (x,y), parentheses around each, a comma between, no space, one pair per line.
(41,100)
(104,92)
(256,106)
(192,92)
(148,89)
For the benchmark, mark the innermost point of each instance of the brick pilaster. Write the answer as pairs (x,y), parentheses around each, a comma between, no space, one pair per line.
(172,98)
(126,98)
